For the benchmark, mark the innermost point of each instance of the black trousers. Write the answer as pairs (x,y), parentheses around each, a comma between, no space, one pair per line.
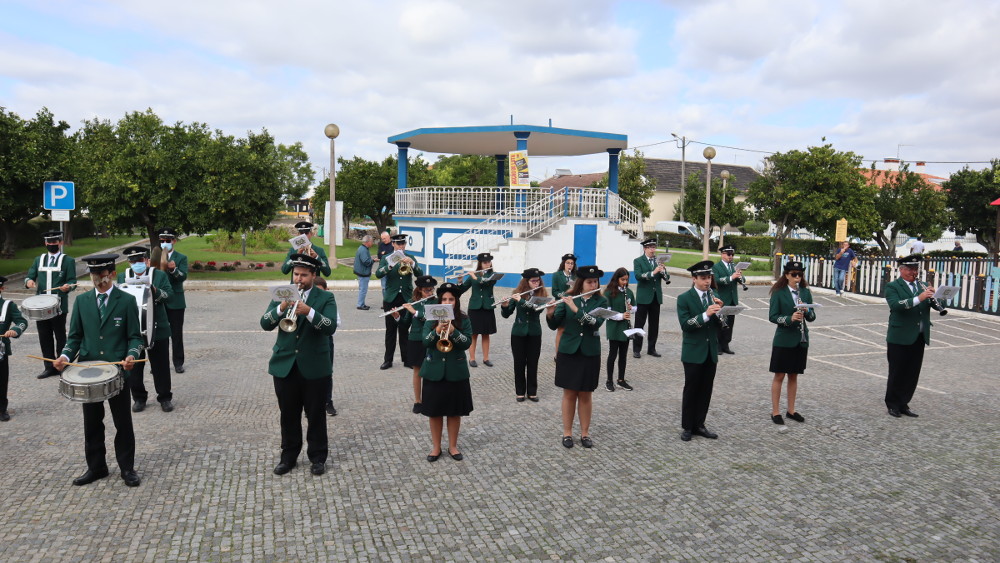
(698,382)
(617,348)
(176,318)
(394,331)
(526,350)
(51,337)
(159,365)
(642,312)
(904,372)
(726,334)
(295,395)
(329,388)
(93,434)
(4,378)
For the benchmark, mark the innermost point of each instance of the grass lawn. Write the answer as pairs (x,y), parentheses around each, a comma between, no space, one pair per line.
(81,247)
(685,258)
(199,248)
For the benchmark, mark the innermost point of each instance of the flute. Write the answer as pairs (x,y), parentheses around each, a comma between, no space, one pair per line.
(558,301)
(506,299)
(401,307)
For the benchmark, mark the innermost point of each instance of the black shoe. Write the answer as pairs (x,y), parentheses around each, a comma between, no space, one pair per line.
(702,431)
(385,365)
(795,416)
(131,478)
(586,442)
(894,413)
(908,412)
(457,457)
(567,441)
(654,353)
(725,349)
(179,368)
(686,436)
(487,363)
(365,307)
(167,406)
(776,418)
(433,458)
(520,399)
(330,409)
(473,364)
(636,355)
(138,406)
(533,399)
(283,467)
(417,408)
(90,476)
(610,386)
(4,417)
(624,385)
(47,373)
(318,468)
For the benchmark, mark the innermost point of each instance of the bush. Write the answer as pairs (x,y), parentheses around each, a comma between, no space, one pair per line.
(197,266)
(227,267)
(952,253)
(754,228)
(210,267)
(675,240)
(270,264)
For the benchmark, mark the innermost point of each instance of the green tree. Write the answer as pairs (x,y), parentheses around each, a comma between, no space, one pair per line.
(970,193)
(633,185)
(464,170)
(725,208)
(906,203)
(297,174)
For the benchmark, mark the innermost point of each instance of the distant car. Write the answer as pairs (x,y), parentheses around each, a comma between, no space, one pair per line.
(681,228)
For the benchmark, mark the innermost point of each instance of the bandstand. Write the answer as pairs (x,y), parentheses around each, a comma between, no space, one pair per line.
(522,227)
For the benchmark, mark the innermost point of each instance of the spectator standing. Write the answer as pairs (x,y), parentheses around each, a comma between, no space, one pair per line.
(845,255)
(958,246)
(918,246)
(384,249)
(363,269)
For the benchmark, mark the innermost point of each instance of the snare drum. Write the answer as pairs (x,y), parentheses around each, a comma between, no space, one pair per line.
(88,383)
(41,307)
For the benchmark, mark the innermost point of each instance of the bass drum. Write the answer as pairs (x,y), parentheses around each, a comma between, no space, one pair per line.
(147,310)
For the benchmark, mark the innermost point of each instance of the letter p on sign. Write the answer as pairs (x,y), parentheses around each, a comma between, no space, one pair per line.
(59,196)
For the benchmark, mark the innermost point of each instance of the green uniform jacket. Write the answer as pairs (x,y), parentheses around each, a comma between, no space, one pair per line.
(582,332)
(161,296)
(649,287)
(789,332)
(561,283)
(727,285)
(527,322)
(11,320)
(110,340)
(616,329)
(482,291)
(416,322)
(904,318)
(309,345)
(324,262)
(177,278)
(65,275)
(700,340)
(451,366)
(396,284)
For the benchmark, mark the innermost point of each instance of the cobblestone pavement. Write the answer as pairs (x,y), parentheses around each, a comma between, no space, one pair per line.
(851,483)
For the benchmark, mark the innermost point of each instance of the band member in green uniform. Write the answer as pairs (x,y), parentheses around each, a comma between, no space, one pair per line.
(649,296)
(482,314)
(175,265)
(621,299)
(697,310)
(301,367)
(525,333)
(54,273)
(397,288)
(562,280)
(578,363)
(12,325)
(446,391)
(313,251)
(727,278)
(413,316)
(105,327)
(790,347)
(910,303)
(139,273)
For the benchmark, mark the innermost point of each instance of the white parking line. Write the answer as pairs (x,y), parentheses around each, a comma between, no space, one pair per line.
(841,366)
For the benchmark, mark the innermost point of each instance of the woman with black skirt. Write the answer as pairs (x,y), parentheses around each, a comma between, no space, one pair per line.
(790,347)
(414,315)
(562,280)
(578,362)
(621,299)
(526,333)
(481,311)
(446,391)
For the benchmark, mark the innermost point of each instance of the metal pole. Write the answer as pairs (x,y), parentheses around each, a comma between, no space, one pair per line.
(722,229)
(684,178)
(332,131)
(709,154)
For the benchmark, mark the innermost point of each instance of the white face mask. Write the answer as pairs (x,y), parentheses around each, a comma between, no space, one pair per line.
(139,268)
(167,246)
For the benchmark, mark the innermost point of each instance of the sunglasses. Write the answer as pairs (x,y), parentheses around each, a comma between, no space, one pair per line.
(795,274)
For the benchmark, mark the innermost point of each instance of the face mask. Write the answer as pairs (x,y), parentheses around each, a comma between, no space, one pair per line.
(53,248)
(166,245)
(139,268)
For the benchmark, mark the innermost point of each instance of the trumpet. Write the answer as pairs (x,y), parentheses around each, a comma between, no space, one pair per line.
(401,307)
(290,322)
(933,302)
(506,299)
(444,344)
(405,270)
(558,301)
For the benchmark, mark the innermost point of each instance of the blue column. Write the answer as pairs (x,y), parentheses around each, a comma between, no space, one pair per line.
(613,169)
(521,199)
(501,169)
(402,165)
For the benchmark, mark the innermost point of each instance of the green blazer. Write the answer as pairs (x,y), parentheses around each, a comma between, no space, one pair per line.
(788,334)
(309,345)
(451,366)
(616,329)
(699,339)
(416,322)
(561,283)
(161,295)
(581,331)
(482,291)
(527,321)
(176,278)
(109,340)
(65,275)
(727,285)
(396,284)
(905,319)
(648,287)
(324,267)
(10,319)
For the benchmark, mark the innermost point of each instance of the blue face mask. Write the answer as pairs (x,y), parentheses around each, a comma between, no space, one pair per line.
(139,268)
(166,245)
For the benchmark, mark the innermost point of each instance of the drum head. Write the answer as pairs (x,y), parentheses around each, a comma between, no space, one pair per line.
(147,310)
(89,373)
(43,301)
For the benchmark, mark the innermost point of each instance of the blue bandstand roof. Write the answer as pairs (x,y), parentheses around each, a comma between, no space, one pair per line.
(499,139)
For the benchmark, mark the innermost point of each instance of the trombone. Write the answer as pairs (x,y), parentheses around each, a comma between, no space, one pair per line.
(558,301)
(290,322)
(401,307)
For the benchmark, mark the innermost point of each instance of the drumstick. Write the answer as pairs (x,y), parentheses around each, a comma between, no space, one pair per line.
(115,363)
(48,360)
(84,365)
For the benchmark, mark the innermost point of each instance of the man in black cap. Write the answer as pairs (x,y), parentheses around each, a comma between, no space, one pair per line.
(317,252)
(105,327)
(697,310)
(727,278)
(12,325)
(52,273)
(175,265)
(909,332)
(398,289)
(139,273)
(648,296)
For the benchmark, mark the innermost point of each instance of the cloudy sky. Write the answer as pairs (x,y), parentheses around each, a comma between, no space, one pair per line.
(917,78)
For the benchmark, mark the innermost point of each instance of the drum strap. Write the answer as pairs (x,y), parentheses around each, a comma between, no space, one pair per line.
(3,311)
(50,269)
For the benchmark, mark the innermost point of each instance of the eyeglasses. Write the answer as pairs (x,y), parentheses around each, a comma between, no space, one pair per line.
(795,274)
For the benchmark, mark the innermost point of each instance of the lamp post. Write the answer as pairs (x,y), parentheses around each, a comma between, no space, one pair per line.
(683,144)
(709,154)
(331,131)
(722,229)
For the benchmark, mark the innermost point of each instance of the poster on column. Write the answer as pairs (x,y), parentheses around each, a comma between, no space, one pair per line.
(518,163)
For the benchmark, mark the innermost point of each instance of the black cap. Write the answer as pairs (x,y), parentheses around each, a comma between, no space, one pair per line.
(98,262)
(304,226)
(728,248)
(304,261)
(649,242)
(588,272)
(52,236)
(3,280)
(425,281)
(794,266)
(400,238)
(167,232)
(569,256)
(135,253)
(913,260)
(703,267)
(451,288)
(484,257)
(532,273)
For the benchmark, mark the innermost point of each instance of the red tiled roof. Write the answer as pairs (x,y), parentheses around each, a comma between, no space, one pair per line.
(571,181)
(883,175)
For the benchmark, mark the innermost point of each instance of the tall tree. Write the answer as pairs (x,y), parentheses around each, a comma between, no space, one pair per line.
(633,185)
(970,193)
(297,174)
(906,203)
(464,170)
(725,208)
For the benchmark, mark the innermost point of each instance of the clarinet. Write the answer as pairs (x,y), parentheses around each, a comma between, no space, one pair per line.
(802,323)
(628,309)
(722,318)
(933,302)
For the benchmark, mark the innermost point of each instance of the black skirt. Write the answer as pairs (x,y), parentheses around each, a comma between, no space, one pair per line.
(788,360)
(415,352)
(446,398)
(577,372)
(484,321)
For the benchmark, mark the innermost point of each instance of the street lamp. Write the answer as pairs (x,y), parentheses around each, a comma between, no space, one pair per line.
(722,229)
(683,145)
(709,154)
(331,131)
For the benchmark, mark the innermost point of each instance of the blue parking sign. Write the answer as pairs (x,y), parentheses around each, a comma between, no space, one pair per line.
(59,195)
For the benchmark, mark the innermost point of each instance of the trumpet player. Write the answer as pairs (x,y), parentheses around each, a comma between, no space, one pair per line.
(525,333)
(790,347)
(620,298)
(697,312)
(649,288)
(398,287)
(413,316)
(301,366)
(909,332)
(446,391)
(313,251)
(481,310)
(727,278)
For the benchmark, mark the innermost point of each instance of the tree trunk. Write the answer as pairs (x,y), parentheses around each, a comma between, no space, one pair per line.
(9,245)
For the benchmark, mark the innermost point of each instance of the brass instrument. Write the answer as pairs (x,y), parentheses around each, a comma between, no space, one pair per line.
(506,299)
(558,301)
(444,344)
(401,307)
(290,322)
(405,270)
